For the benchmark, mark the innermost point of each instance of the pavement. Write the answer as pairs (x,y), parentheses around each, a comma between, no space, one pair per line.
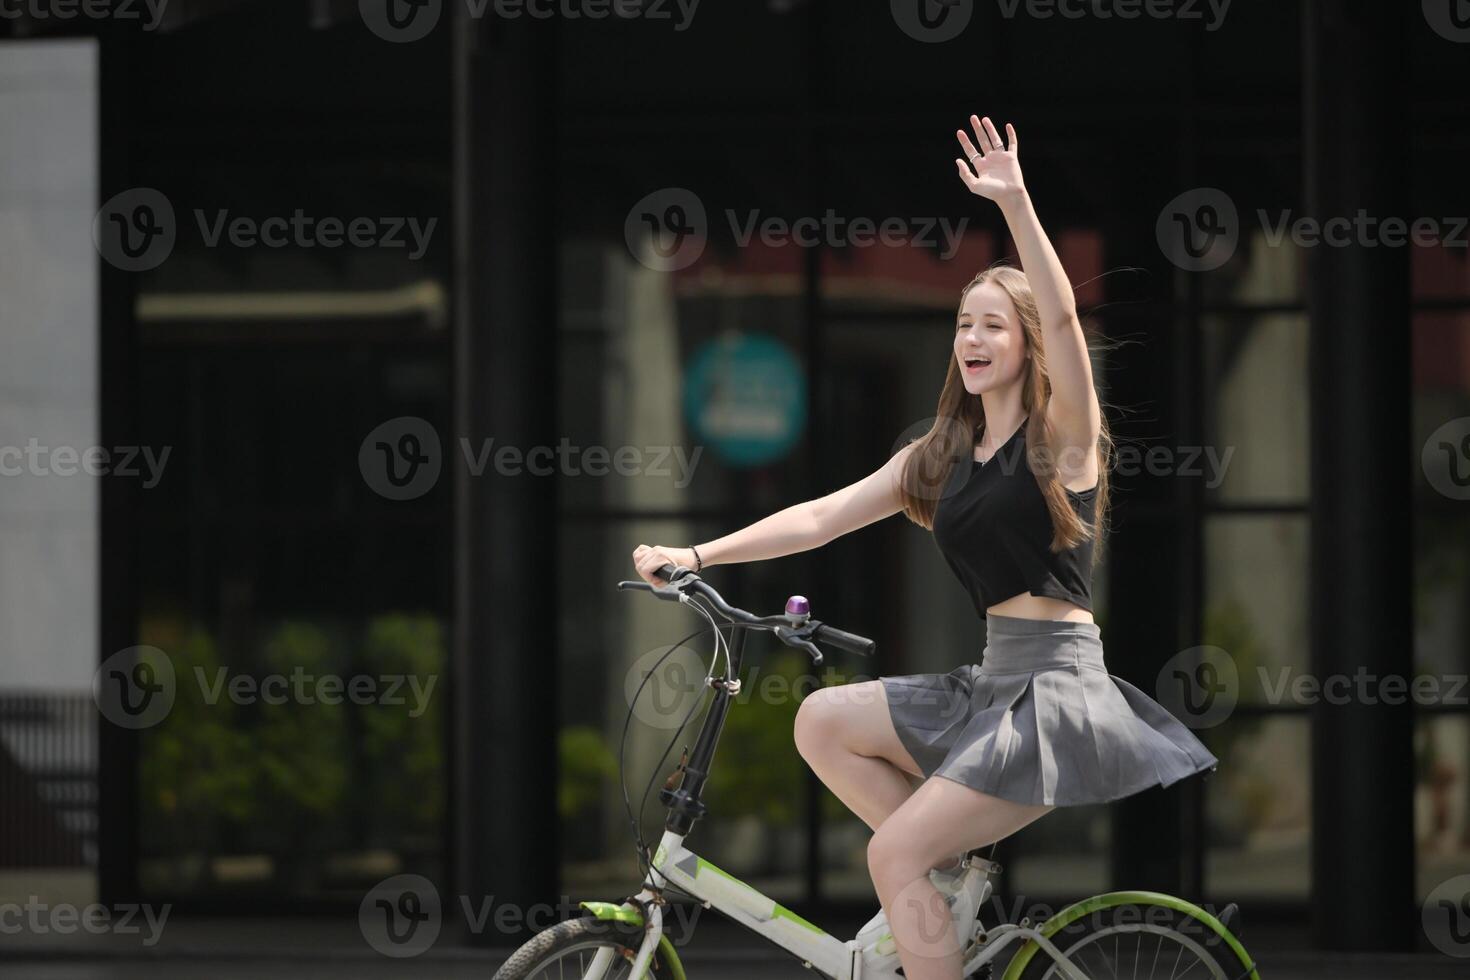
(285,949)
(1298,966)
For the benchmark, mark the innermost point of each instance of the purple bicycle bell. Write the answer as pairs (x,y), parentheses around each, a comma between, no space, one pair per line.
(798,607)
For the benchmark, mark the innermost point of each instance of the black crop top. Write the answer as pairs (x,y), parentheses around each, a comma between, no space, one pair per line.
(994,530)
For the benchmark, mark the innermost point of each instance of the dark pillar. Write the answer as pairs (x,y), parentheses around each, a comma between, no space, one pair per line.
(117,559)
(1362,466)
(1152,554)
(1147,554)
(505,360)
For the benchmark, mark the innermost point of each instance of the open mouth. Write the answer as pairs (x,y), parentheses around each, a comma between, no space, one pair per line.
(976,364)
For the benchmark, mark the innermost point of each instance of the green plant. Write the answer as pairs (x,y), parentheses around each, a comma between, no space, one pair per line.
(402,743)
(759,771)
(586,767)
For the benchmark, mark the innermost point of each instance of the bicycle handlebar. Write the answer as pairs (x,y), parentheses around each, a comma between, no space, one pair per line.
(795,627)
(843,640)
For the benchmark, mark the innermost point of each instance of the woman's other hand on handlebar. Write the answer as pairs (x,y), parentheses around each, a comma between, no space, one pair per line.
(650,558)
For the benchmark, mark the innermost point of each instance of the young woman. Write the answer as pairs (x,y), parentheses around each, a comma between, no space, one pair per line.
(1012,480)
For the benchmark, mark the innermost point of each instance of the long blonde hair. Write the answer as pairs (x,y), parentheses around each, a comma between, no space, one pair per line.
(960,420)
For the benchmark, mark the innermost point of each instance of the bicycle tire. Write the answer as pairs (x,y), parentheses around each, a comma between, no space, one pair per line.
(1084,941)
(551,944)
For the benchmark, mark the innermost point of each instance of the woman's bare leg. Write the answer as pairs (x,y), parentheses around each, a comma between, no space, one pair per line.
(846,735)
(941,818)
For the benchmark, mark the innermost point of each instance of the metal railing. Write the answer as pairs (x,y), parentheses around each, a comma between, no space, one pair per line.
(48,780)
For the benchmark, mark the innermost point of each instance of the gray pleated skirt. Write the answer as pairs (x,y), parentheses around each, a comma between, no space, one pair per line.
(1040,720)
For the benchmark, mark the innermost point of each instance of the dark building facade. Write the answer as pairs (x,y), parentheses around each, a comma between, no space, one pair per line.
(404,269)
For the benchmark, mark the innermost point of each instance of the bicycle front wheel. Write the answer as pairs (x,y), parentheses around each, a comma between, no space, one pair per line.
(571,949)
(1139,935)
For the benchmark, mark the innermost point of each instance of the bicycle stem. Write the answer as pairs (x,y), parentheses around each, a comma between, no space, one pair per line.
(685,804)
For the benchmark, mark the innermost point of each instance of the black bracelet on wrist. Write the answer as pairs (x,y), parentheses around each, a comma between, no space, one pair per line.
(698,561)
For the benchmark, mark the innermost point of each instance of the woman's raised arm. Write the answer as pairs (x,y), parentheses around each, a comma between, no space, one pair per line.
(994,173)
(800,527)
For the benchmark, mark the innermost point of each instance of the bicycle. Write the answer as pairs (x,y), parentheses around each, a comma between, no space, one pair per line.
(615,940)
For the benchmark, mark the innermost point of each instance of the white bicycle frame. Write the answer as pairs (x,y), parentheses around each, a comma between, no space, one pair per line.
(853,959)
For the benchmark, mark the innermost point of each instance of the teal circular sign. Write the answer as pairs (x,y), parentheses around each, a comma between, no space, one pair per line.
(745,396)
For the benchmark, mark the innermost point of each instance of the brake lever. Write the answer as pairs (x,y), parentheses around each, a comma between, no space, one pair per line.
(798,638)
(673,589)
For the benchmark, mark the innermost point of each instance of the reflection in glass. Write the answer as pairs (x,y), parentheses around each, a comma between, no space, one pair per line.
(1441,799)
(1256,600)
(612,640)
(1256,420)
(1267,267)
(1258,809)
(270,561)
(306,768)
(1439,272)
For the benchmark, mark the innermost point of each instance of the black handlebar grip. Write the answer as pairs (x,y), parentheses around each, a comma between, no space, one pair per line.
(843,640)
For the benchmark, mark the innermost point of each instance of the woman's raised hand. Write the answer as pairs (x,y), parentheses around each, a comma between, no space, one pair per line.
(993,171)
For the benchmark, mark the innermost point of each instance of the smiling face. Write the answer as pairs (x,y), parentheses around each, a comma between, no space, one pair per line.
(988,341)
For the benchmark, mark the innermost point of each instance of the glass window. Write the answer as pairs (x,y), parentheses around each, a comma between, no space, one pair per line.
(659,368)
(244,577)
(1258,810)
(880,280)
(1065,854)
(1441,361)
(657,383)
(1441,592)
(1256,600)
(612,640)
(1266,266)
(1439,272)
(1441,478)
(1441,798)
(1256,416)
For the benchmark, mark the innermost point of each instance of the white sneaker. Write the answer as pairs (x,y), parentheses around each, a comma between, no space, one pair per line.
(874,927)
(948,881)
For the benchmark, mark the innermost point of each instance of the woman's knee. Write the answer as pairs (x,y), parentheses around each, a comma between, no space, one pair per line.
(832,716)
(853,717)
(895,853)
(819,722)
